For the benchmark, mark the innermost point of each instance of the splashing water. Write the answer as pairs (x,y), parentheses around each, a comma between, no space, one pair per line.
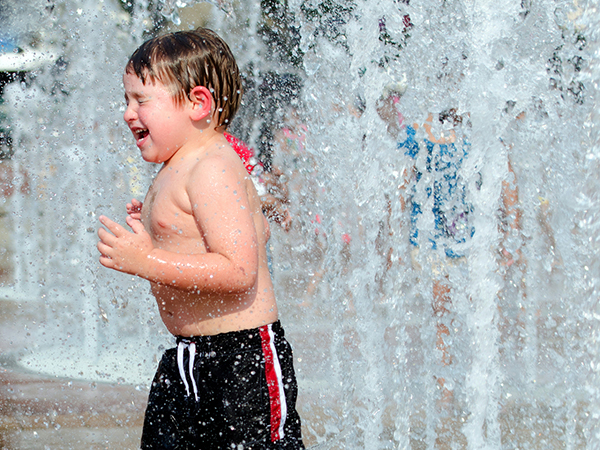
(435,338)
(78,164)
(440,280)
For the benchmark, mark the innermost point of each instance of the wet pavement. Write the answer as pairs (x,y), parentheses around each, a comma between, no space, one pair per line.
(41,412)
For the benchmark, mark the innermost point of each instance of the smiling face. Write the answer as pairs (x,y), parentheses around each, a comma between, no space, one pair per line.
(159,126)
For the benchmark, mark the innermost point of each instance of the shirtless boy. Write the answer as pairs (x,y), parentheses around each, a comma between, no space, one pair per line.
(200,239)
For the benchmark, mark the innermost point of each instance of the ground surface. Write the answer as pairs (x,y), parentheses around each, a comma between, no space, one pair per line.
(40,412)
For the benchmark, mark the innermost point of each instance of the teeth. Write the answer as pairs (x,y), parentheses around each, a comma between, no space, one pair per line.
(141,133)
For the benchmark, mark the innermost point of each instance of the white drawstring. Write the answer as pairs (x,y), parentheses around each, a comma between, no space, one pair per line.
(192,349)
(192,356)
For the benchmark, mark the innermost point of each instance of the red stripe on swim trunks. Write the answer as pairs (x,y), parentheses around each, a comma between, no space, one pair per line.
(272,383)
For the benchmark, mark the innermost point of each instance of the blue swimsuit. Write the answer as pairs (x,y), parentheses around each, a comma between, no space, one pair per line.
(450,207)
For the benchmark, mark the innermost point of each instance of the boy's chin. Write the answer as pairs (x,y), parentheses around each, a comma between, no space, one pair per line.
(150,156)
(154,157)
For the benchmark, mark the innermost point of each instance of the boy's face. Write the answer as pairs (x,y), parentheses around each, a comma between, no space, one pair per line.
(159,126)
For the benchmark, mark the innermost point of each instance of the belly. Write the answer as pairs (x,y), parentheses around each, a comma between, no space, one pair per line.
(193,314)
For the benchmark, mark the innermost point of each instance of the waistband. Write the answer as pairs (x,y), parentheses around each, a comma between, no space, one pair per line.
(219,344)
(232,341)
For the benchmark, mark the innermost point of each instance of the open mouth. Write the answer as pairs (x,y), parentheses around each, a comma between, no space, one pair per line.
(140,134)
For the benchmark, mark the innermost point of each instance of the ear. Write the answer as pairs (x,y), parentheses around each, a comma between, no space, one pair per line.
(202,103)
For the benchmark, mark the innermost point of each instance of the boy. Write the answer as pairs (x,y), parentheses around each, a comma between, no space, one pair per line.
(200,239)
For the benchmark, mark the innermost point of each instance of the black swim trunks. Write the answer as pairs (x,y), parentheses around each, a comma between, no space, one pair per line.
(229,391)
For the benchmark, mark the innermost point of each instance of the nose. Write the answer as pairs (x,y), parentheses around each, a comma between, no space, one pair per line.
(130,113)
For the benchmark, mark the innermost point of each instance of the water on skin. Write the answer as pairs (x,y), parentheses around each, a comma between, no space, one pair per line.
(395,348)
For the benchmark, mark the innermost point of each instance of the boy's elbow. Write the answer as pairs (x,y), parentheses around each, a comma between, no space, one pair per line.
(248,279)
(245,281)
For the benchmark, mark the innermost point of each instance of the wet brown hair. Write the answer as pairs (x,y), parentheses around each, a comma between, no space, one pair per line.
(186,59)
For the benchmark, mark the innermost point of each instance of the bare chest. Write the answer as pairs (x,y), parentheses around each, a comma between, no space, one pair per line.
(167,216)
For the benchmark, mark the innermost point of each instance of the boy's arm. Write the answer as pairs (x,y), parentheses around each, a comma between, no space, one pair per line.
(222,213)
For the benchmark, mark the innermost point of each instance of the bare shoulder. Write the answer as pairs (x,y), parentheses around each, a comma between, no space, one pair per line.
(217,163)
(217,177)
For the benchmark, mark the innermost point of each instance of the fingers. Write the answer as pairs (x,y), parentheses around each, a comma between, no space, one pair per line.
(109,263)
(105,251)
(113,227)
(117,230)
(106,238)
(135,207)
(120,247)
(106,262)
(106,247)
(135,224)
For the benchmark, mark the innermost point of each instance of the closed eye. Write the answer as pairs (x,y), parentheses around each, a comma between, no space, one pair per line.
(138,99)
